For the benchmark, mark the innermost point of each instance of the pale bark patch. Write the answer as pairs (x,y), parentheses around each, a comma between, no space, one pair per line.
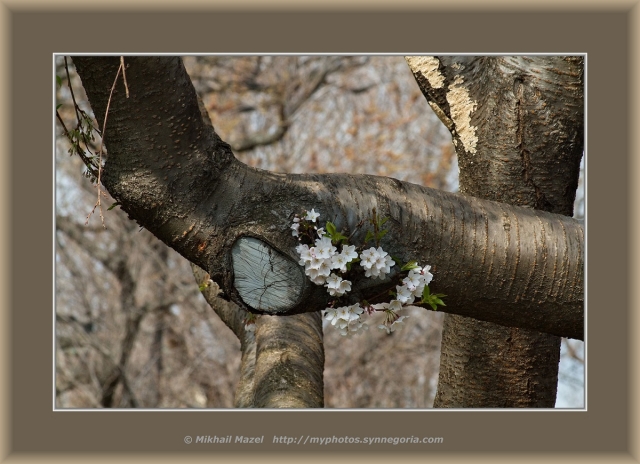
(428,67)
(460,103)
(461,106)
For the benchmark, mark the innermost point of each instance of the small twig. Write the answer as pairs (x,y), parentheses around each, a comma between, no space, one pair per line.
(124,76)
(358,225)
(73,97)
(80,116)
(64,128)
(104,130)
(82,156)
(384,293)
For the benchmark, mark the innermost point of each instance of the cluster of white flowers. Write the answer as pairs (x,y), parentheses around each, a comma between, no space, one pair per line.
(346,319)
(376,262)
(413,285)
(392,321)
(311,216)
(411,288)
(320,260)
(337,286)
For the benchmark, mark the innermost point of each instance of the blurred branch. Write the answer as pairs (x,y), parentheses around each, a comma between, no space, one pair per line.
(233,317)
(77,233)
(289,96)
(572,349)
(261,139)
(118,373)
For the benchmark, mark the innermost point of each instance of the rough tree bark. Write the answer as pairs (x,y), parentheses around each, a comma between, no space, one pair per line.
(517,125)
(171,172)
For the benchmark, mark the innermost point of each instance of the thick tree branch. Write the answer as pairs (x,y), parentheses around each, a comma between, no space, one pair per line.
(174,175)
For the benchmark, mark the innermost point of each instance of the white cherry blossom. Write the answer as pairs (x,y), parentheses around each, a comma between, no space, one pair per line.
(349,251)
(404,295)
(312,215)
(339,262)
(428,277)
(393,326)
(324,249)
(333,281)
(395,305)
(295,228)
(330,314)
(344,287)
(343,313)
(376,262)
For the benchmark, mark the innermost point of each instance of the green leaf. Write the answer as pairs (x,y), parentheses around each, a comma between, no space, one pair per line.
(331,228)
(338,237)
(59,81)
(113,206)
(368,237)
(432,299)
(381,234)
(202,287)
(58,106)
(410,265)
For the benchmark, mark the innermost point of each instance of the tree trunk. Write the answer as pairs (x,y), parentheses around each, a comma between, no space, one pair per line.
(517,125)
(282,360)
